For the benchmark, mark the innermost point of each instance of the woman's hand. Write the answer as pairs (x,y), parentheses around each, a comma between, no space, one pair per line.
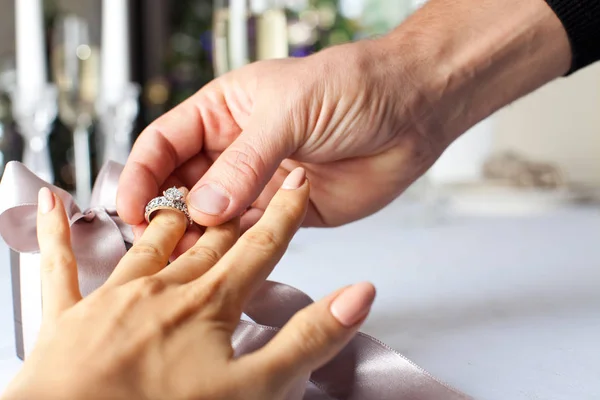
(154,331)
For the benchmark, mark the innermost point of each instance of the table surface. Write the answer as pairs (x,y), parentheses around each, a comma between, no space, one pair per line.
(501,308)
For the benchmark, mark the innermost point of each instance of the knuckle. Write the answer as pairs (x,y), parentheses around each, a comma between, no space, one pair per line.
(204,254)
(229,232)
(147,250)
(246,161)
(229,236)
(289,210)
(201,295)
(194,298)
(148,286)
(261,239)
(214,298)
(215,290)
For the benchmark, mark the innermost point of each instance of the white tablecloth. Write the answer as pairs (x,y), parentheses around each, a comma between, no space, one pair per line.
(501,308)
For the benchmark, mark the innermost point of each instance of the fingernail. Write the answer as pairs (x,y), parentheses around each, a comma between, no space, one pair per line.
(353,304)
(209,200)
(45,200)
(295,179)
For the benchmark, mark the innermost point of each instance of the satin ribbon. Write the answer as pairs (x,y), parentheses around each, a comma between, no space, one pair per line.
(366,369)
(98,235)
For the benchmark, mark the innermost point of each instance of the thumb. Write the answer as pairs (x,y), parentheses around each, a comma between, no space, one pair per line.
(240,173)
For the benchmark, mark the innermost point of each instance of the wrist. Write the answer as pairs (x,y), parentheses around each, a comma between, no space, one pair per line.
(468,59)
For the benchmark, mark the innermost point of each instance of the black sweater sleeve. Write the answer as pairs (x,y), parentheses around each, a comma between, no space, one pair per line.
(581,19)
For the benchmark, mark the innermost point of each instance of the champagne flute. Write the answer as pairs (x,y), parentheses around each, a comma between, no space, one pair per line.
(76,73)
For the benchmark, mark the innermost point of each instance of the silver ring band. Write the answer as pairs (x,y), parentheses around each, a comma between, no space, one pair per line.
(172,199)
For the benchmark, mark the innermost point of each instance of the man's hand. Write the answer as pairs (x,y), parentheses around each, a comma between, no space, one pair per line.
(337,113)
(364,119)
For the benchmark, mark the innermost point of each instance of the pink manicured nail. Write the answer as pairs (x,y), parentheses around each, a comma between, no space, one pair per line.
(45,200)
(295,179)
(353,304)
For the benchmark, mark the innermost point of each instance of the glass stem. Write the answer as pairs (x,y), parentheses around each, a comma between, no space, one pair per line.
(36,157)
(116,145)
(83,173)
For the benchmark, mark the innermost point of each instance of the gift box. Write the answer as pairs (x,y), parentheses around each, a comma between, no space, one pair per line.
(99,239)
(366,369)
(27,300)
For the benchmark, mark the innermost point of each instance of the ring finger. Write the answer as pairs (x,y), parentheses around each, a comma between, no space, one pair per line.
(207,251)
(151,252)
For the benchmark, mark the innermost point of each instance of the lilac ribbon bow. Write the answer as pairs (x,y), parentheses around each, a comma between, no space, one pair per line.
(98,235)
(366,369)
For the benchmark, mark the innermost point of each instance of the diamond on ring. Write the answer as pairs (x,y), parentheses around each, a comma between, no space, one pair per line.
(173,199)
(173,194)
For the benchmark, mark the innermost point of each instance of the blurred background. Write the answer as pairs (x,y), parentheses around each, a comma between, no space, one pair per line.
(112,66)
(493,288)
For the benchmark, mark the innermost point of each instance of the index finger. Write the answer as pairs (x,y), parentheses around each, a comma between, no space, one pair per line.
(162,147)
(60,286)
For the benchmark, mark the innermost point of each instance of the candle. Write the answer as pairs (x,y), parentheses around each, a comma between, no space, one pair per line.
(115,49)
(418,3)
(271,35)
(238,34)
(31,54)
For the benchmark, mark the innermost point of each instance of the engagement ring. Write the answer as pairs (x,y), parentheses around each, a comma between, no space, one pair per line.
(172,199)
